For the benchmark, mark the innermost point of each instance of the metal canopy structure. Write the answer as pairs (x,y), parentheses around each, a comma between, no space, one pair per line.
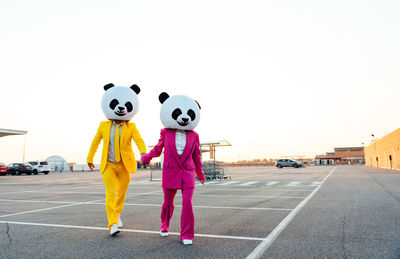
(221,143)
(212,145)
(8,132)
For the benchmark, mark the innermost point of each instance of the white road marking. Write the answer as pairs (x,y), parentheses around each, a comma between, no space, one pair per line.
(272,183)
(227,183)
(68,205)
(16,192)
(147,205)
(248,183)
(127,230)
(210,182)
(293,184)
(249,196)
(44,182)
(264,190)
(39,201)
(260,249)
(315,183)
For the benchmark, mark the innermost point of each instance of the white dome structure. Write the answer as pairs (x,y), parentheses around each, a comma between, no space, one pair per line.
(57,163)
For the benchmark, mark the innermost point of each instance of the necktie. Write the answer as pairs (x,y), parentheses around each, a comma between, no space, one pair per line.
(116,144)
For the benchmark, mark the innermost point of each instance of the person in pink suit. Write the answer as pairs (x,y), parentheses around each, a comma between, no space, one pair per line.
(182,160)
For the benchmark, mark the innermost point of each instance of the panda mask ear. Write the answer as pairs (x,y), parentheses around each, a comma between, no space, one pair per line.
(198,104)
(135,88)
(108,86)
(163,96)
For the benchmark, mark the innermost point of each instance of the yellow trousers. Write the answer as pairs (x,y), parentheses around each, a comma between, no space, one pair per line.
(116,181)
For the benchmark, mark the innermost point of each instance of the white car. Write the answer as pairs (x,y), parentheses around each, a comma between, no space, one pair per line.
(40,167)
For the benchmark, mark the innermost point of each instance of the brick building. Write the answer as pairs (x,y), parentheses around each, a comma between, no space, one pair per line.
(384,152)
(341,156)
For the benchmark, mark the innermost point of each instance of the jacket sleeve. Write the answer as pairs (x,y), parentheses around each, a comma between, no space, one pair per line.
(197,160)
(138,140)
(95,144)
(156,151)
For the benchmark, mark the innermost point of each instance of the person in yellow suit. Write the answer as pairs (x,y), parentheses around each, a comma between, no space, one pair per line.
(119,104)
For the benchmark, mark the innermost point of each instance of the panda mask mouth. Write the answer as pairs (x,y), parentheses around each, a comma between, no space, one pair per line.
(183,123)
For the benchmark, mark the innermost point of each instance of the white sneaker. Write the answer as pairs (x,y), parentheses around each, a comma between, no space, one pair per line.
(114,230)
(120,225)
(163,234)
(187,242)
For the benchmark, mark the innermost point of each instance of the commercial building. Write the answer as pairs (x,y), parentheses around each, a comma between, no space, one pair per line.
(341,156)
(384,152)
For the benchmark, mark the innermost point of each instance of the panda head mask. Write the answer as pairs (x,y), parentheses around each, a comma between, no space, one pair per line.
(179,112)
(120,102)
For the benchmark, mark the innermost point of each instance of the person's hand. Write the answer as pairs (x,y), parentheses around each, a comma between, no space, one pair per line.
(202,182)
(91,166)
(140,162)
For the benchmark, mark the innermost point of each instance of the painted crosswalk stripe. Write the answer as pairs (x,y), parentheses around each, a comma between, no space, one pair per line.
(272,183)
(293,184)
(212,182)
(227,183)
(248,183)
(315,183)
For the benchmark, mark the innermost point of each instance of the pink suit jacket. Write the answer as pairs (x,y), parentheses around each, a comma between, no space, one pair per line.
(178,172)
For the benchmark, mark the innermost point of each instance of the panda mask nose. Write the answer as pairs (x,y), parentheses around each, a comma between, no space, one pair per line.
(185,119)
(121,108)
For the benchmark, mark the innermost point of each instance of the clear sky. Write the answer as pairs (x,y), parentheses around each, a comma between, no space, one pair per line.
(275,78)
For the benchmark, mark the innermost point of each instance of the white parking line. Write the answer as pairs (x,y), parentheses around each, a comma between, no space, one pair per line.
(44,182)
(316,183)
(68,205)
(272,183)
(128,230)
(260,249)
(227,183)
(293,184)
(248,183)
(146,205)
(250,196)
(266,189)
(16,192)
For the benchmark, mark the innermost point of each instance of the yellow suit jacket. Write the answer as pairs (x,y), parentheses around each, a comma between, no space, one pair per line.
(128,132)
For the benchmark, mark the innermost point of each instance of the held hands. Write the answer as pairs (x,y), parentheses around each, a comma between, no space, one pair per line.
(140,160)
(202,182)
(91,166)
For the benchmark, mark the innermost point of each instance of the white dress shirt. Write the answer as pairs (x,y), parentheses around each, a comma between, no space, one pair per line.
(180,141)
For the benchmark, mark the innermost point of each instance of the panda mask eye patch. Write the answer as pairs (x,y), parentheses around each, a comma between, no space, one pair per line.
(114,104)
(129,106)
(191,114)
(176,113)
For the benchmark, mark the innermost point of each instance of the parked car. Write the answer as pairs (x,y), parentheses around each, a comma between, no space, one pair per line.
(288,163)
(40,167)
(3,169)
(19,168)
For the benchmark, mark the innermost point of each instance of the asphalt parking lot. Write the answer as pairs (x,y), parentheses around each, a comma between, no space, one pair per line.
(312,212)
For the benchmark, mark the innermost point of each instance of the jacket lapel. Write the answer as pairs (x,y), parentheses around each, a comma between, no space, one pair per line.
(106,137)
(172,146)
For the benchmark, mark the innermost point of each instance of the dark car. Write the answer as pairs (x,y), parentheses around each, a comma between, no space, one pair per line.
(288,163)
(19,168)
(3,169)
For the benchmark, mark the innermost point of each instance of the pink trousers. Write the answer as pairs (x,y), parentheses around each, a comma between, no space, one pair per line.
(187,216)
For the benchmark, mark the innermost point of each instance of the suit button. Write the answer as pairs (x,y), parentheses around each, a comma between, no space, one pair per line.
(172,167)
